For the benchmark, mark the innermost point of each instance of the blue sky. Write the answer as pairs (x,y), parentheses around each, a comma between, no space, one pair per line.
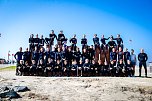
(130,18)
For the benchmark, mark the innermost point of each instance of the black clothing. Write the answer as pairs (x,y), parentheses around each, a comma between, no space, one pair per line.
(142,57)
(103,40)
(19,57)
(126,57)
(41,42)
(27,56)
(52,37)
(96,41)
(120,55)
(84,41)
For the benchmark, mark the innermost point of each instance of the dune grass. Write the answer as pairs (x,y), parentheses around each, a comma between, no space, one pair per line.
(10,68)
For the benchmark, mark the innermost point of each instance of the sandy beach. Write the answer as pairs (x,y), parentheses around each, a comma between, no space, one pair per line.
(80,88)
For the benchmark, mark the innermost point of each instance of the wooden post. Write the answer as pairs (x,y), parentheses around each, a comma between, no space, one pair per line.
(99,57)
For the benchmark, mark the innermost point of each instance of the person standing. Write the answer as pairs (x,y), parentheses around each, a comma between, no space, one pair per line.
(142,58)
(84,42)
(73,42)
(96,41)
(133,60)
(18,56)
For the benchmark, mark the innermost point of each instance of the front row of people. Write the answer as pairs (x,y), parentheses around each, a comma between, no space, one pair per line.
(87,69)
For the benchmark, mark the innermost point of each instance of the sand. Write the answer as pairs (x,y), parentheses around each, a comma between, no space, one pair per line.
(80,88)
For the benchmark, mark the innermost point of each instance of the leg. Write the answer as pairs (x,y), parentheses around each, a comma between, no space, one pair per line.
(140,66)
(145,67)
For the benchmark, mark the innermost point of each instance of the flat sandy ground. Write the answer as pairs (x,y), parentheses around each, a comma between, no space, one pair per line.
(80,88)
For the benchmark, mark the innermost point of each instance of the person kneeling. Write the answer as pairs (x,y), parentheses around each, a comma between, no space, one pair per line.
(19,68)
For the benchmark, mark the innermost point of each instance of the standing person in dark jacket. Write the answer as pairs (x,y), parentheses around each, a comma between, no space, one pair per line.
(31,43)
(53,54)
(47,55)
(96,41)
(73,42)
(142,58)
(18,56)
(77,55)
(120,54)
(126,56)
(41,41)
(119,41)
(61,38)
(84,42)
(52,37)
(58,54)
(103,42)
(69,56)
(27,56)
(37,42)
(111,44)
(85,55)
(41,54)
(35,55)
(91,52)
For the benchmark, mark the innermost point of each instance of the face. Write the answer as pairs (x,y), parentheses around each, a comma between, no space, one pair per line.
(52,32)
(128,61)
(49,60)
(86,61)
(112,62)
(93,62)
(58,61)
(113,50)
(84,36)
(132,51)
(118,36)
(142,50)
(33,61)
(65,62)
(37,36)
(120,49)
(41,49)
(26,49)
(80,61)
(84,50)
(41,36)
(95,35)
(102,36)
(111,39)
(48,49)
(121,61)
(59,50)
(21,62)
(20,49)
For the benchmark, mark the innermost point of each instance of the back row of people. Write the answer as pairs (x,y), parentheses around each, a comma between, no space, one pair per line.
(62,40)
